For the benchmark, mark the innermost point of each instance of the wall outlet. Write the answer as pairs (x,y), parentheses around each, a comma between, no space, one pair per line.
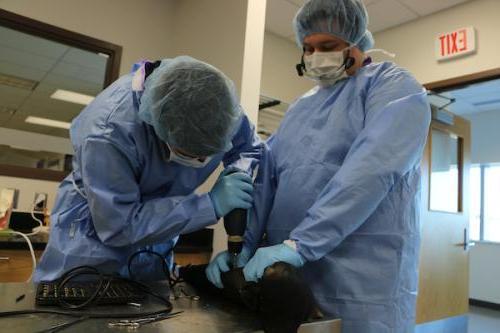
(40,201)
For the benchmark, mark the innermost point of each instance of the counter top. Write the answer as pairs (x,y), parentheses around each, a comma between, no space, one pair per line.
(205,315)
(195,242)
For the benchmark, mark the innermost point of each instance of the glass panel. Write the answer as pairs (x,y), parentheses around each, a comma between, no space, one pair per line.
(444,172)
(491,204)
(475,203)
(43,86)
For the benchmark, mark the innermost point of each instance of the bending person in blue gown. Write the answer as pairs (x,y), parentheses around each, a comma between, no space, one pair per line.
(142,147)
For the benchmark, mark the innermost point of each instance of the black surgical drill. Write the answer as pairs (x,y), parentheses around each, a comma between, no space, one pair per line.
(235,223)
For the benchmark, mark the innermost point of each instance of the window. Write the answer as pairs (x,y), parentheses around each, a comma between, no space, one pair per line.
(475,203)
(446,172)
(484,203)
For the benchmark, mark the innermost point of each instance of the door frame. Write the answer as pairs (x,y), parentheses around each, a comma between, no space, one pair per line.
(456,324)
(459,81)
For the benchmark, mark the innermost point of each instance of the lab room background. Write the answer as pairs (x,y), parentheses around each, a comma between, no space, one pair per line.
(252,41)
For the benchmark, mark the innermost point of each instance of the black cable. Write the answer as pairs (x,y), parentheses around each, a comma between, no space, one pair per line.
(172,281)
(77,272)
(163,260)
(103,283)
(100,291)
(93,315)
(63,326)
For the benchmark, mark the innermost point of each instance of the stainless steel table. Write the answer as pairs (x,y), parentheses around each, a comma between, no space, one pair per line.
(205,315)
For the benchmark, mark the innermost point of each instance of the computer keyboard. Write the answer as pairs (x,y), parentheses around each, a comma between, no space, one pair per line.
(119,292)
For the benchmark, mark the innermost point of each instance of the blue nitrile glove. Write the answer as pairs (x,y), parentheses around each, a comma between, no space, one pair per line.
(221,264)
(266,256)
(231,191)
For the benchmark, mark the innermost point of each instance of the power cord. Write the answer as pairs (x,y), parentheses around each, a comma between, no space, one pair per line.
(172,278)
(25,236)
(104,281)
(38,200)
(32,252)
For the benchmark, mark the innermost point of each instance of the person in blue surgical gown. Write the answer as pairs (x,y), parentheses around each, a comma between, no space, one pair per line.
(142,147)
(338,191)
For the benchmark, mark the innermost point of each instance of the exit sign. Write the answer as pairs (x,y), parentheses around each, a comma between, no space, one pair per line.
(456,43)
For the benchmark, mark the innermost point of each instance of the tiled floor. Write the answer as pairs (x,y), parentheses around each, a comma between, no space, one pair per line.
(483,320)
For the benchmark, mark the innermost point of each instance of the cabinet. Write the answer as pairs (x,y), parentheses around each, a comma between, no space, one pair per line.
(18,267)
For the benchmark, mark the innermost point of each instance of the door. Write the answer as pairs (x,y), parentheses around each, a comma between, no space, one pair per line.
(444,265)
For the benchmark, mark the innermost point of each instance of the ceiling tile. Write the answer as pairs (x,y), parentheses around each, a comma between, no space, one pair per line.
(4,117)
(31,44)
(426,7)
(70,83)
(383,14)
(80,73)
(23,71)
(279,17)
(61,132)
(85,59)
(386,14)
(12,97)
(18,57)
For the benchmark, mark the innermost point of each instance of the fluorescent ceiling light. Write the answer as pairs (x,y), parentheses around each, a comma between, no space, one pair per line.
(72,97)
(47,122)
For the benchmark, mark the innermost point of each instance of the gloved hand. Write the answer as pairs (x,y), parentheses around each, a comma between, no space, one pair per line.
(221,264)
(266,256)
(231,191)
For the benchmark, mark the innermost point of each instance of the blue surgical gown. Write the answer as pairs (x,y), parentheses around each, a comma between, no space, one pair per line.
(342,178)
(124,195)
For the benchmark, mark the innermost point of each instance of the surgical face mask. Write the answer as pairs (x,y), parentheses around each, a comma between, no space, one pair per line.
(326,68)
(192,162)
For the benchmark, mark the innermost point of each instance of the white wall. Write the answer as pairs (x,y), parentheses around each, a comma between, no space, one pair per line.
(143,28)
(484,273)
(279,77)
(34,141)
(27,189)
(252,57)
(205,30)
(216,31)
(413,43)
(485,137)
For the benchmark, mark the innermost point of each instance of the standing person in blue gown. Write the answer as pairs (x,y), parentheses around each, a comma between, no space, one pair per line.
(338,191)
